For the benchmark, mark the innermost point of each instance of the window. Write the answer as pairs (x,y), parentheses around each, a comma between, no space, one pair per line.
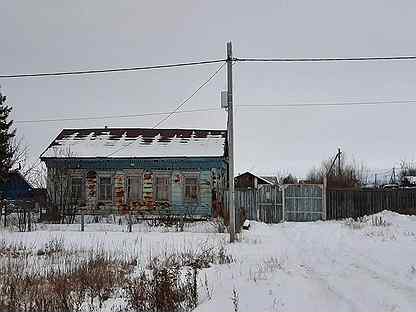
(134,188)
(162,188)
(105,189)
(191,189)
(77,189)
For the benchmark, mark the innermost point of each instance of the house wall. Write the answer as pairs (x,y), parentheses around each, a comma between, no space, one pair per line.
(245,181)
(211,184)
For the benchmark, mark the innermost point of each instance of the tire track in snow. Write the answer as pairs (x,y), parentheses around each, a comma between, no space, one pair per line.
(347,258)
(308,272)
(407,290)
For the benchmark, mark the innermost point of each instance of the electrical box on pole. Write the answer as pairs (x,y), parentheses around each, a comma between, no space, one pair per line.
(224,99)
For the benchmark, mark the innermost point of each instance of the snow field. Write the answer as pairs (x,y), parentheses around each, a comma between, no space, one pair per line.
(311,266)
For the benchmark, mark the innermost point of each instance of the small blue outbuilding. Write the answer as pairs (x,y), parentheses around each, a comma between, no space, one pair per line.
(16,187)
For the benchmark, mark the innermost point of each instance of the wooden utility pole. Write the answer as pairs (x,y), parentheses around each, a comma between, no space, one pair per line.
(231,203)
(339,162)
(393,176)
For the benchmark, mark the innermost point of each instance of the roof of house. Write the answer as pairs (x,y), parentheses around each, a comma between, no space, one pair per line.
(271,179)
(136,143)
(262,179)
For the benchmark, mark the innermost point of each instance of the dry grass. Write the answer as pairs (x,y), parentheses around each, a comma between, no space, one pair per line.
(57,279)
(61,288)
(266,268)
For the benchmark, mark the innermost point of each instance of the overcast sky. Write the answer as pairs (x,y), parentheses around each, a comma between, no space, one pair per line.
(41,36)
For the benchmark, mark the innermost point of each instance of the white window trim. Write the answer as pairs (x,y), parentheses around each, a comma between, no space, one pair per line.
(191,175)
(83,194)
(99,176)
(140,176)
(162,174)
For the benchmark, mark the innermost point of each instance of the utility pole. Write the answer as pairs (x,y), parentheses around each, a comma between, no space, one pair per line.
(230,132)
(339,162)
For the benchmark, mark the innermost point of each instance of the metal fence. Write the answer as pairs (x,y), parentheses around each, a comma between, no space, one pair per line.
(310,202)
(273,203)
(303,202)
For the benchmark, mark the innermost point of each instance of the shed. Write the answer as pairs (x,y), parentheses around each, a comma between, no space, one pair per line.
(16,187)
(249,180)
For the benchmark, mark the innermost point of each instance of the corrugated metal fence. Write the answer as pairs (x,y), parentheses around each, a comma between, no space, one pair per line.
(303,202)
(272,204)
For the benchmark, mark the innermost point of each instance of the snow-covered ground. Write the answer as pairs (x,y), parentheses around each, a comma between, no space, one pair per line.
(311,266)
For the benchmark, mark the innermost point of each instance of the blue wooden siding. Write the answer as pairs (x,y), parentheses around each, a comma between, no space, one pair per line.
(210,172)
(16,188)
(139,163)
(201,208)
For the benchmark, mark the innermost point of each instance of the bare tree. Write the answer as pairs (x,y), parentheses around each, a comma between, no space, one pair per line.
(407,170)
(285,177)
(57,181)
(351,173)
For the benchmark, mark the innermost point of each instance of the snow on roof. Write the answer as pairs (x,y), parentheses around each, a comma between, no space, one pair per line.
(411,179)
(136,143)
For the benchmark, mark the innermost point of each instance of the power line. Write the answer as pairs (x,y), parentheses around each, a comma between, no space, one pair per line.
(110,70)
(114,116)
(329,59)
(136,68)
(190,97)
(295,105)
(371,103)
(176,109)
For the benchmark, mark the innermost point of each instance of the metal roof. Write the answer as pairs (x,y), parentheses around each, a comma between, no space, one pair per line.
(137,143)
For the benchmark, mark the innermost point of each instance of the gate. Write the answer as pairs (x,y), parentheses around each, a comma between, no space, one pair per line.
(303,202)
(269,204)
(274,203)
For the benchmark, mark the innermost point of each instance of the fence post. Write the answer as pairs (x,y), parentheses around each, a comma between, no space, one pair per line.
(324,198)
(256,204)
(29,220)
(82,220)
(237,207)
(283,203)
(4,213)
(130,223)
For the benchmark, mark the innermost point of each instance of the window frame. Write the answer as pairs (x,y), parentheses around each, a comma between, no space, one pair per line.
(192,175)
(168,176)
(140,186)
(82,189)
(111,193)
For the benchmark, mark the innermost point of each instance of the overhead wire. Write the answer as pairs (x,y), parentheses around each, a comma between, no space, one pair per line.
(189,97)
(113,116)
(110,70)
(295,105)
(162,66)
(261,106)
(329,59)
(176,109)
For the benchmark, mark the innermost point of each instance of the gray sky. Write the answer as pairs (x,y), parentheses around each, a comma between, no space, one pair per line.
(38,36)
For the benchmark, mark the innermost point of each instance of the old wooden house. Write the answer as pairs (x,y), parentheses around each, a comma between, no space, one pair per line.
(149,171)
